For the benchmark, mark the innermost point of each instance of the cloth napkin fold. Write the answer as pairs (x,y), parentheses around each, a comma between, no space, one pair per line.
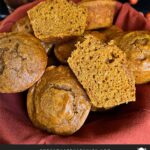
(126,124)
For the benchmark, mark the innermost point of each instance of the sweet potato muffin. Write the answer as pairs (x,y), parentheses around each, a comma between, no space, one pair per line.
(22,25)
(54,20)
(100,13)
(136,44)
(57,103)
(103,72)
(22,61)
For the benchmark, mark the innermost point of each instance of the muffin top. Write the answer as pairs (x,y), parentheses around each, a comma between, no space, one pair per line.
(57,103)
(22,61)
(136,44)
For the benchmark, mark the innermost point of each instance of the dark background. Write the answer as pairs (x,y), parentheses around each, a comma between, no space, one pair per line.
(143,6)
(3,9)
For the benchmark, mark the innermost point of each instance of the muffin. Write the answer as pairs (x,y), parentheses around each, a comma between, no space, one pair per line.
(57,103)
(70,20)
(22,61)
(100,13)
(103,71)
(136,44)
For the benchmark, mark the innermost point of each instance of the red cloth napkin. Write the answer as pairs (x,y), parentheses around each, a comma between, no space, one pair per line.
(126,124)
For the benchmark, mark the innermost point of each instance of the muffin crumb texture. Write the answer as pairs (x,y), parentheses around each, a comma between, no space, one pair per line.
(57,19)
(103,71)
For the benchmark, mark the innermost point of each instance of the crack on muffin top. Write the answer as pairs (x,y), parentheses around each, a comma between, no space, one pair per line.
(2,64)
(139,50)
(136,44)
(143,41)
(12,59)
(16,50)
(59,104)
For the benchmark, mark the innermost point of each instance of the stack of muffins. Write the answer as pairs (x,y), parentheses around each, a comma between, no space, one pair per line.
(73,61)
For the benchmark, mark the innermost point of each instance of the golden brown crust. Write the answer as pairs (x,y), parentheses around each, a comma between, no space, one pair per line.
(100,13)
(98,35)
(112,32)
(22,61)
(136,44)
(57,103)
(22,25)
(63,51)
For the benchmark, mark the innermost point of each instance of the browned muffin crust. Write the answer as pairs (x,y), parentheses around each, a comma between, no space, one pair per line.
(22,61)
(112,32)
(22,25)
(63,51)
(100,13)
(57,103)
(136,44)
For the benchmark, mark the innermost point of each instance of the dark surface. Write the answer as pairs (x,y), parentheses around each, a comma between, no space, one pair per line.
(142,5)
(3,10)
